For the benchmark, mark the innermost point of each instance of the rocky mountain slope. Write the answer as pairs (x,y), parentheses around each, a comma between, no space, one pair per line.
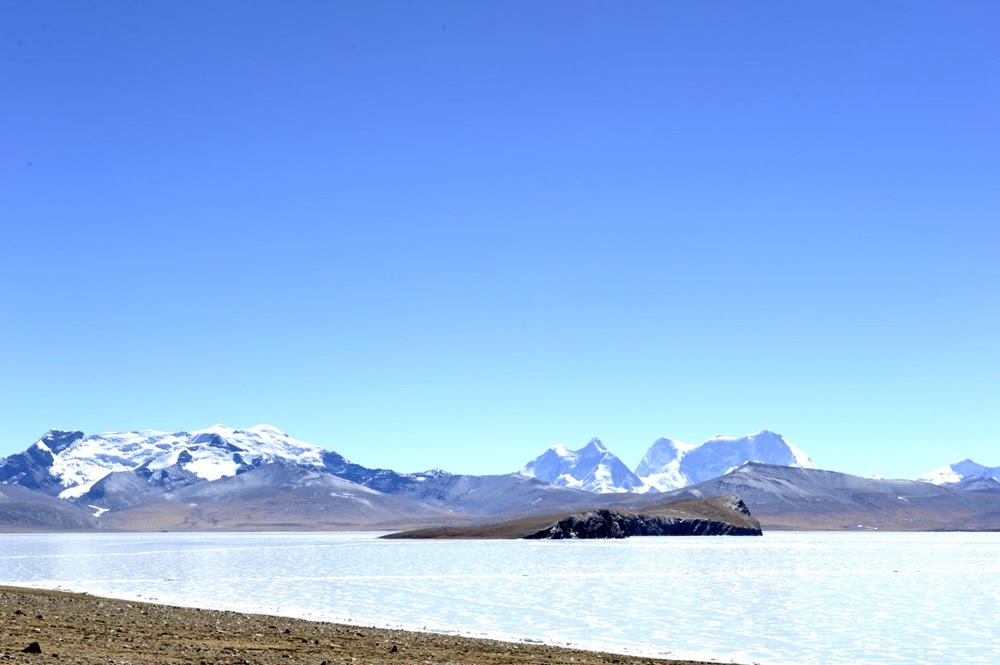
(22,509)
(277,496)
(783,497)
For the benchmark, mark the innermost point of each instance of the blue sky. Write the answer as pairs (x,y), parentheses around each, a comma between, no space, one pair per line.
(454,234)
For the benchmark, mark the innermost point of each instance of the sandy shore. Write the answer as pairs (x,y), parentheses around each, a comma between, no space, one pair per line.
(74,628)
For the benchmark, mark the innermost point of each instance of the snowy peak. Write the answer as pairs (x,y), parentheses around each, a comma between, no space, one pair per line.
(958,471)
(660,466)
(593,447)
(593,468)
(56,440)
(763,444)
(661,453)
(71,463)
(669,465)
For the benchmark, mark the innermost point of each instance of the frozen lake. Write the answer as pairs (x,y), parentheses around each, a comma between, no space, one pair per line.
(783,598)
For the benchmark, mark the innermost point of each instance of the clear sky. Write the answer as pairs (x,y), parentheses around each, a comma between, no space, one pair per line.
(454,234)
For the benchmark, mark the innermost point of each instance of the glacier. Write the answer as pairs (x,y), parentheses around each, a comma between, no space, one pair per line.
(78,461)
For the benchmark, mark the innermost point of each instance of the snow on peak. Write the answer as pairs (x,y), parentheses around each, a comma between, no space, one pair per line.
(958,471)
(217,428)
(560,450)
(271,429)
(660,466)
(592,468)
(667,466)
(79,461)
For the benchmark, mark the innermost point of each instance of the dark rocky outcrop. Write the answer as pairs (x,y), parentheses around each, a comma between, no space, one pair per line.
(612,524)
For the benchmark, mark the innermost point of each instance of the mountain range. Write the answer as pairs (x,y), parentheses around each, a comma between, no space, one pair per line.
(226,478)
(667,465)
(785,497)
(261,478)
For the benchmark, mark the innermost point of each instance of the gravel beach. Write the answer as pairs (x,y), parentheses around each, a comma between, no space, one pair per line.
(75,628)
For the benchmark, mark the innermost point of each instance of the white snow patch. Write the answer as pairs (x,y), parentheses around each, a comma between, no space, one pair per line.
(216,452)
(212,469)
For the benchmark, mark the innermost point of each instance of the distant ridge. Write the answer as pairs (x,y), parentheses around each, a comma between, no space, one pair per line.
(783,497)
(260,478)
(962,470)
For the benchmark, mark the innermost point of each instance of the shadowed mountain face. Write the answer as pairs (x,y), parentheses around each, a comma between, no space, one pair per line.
(494,495)
(793,498)
(33,467)
(22,509)
(724,516)
(286,496)
(121,489)
(473,495)
(276,496)
(976,484)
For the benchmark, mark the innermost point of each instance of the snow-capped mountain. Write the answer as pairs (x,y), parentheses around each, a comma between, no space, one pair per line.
(670,464)
(593,468)
(116,472)
(667,465)
(70,463)
(261,478)
(958,471)
(660,467)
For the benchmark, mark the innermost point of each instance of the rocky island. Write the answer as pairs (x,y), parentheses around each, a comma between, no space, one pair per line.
(719,516)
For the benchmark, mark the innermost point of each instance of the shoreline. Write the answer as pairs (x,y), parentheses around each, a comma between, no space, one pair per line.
(86,629)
